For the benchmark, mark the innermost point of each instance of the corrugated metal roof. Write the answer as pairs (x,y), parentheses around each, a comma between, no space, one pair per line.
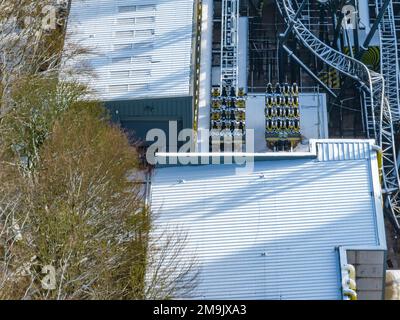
(343,150)
(272,233)
(142,48)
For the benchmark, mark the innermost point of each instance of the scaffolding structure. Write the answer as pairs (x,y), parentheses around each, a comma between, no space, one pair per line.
(229,44)
(228,101)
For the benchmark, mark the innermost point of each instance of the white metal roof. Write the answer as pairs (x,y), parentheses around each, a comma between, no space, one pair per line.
(273,233)
(141,48)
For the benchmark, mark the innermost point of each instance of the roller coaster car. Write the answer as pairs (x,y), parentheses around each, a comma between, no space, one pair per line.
(240,103)
(232,103)
(232,92)
(216,104)
(224,103)
(215,116)
(268,113)
(296,125)
(215,132)
(287,100)
(223,93)
(272,101)
(294,136)
(216,125)
(240,115)
(286,89)
(269,90)
(268,126)
(268,101)
(237,132)
(215,136)
(224,116)
(296,101)
(232,115)
(281,112)
(278,89)
(283,145)
(226,132)
(241,92)
(270,143)
(295,89)
(215,92)
(271,137)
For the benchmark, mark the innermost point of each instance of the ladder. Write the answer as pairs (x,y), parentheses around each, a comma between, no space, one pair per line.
(379,122)
(229,44)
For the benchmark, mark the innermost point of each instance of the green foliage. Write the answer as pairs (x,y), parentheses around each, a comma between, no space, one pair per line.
(81,209)
(38,103)
(90,220)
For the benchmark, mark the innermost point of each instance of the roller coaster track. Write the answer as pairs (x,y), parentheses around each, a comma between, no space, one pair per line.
(378,114)
(389,57)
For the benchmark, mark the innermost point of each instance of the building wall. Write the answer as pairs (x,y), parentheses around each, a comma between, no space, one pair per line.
(137,117)
(370,273)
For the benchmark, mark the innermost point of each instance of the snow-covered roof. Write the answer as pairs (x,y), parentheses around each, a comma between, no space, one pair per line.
(141,48)
(273,232)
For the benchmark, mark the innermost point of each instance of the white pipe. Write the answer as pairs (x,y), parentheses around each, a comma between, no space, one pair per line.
(350,293)
(243,52)
(205,75)
(349,289)
(352,284)
(351,270)
(376,148)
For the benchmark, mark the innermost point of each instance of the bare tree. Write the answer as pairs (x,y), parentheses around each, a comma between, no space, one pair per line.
(78,228)
(72,225)
(32,37)
(82,215)
(172,269)
(38,103)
